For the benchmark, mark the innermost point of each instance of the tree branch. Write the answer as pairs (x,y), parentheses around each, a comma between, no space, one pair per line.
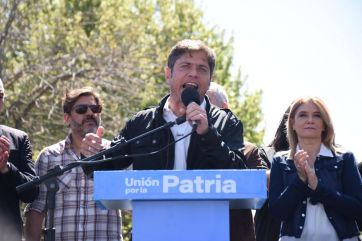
(5,33)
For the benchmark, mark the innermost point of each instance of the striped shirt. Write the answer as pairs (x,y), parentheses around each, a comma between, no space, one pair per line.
(76,216)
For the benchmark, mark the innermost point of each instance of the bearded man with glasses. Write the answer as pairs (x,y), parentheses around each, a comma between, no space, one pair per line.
(76,215)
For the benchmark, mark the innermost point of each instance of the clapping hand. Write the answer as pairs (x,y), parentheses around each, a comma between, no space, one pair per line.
(4,153)
(305,170)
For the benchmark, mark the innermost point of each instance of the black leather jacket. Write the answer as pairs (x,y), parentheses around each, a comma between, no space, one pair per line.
(220,148)
(21,171)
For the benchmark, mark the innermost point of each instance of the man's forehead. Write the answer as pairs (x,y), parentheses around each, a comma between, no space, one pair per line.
(193,55)
(85,99)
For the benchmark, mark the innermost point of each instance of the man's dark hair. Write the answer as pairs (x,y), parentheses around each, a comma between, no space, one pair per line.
(187,46)
(72,96)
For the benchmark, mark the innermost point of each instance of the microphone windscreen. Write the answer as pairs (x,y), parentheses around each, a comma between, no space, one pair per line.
(189,95)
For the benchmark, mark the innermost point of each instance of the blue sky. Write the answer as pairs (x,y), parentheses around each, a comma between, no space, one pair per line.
(295,48)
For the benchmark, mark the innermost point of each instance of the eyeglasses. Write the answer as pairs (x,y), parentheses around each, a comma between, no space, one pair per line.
(82,109)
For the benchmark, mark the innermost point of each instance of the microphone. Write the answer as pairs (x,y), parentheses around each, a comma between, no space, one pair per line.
(189,95)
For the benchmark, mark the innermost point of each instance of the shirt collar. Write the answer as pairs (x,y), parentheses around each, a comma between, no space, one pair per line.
(68,142)
(323,151)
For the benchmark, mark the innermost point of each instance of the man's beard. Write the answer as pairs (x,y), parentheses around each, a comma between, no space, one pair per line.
(81,130)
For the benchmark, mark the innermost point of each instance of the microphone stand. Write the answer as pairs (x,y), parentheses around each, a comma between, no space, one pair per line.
(52,188)
(51,182)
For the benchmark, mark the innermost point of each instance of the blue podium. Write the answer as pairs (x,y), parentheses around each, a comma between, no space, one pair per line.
(172,205)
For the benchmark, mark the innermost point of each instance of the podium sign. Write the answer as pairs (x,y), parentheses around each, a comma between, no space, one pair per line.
(180,205)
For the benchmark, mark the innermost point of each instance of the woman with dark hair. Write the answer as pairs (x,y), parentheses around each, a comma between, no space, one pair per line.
(280,141)
(267,227)
(315,187)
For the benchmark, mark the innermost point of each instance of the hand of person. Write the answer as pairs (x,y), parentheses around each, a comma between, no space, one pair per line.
(300,162)
(196,113)
(311,177)
(92,143)
(4,154)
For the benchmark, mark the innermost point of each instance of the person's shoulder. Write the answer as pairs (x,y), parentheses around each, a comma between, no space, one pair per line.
(153,112)
(216,110)
(343,152)
(53,150)
(149,109)
(11,131)
(217,113)
(250,145)
(281,155)
(269,151)
(143,115)
(281,158)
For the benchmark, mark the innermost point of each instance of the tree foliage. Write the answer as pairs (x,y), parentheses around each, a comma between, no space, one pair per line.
(119,47)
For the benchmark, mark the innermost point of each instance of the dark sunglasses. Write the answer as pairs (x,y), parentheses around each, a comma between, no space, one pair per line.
(82,109)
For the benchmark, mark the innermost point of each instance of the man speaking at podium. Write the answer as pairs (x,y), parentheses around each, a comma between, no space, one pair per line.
(216,143)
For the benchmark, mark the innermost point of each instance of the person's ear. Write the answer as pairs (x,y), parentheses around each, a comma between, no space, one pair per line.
(66,118)
(168,74)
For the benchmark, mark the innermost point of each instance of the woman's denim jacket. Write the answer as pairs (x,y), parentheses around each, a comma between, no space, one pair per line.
(339,190)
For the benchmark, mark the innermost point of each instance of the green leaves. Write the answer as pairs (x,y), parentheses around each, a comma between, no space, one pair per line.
(118,47)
